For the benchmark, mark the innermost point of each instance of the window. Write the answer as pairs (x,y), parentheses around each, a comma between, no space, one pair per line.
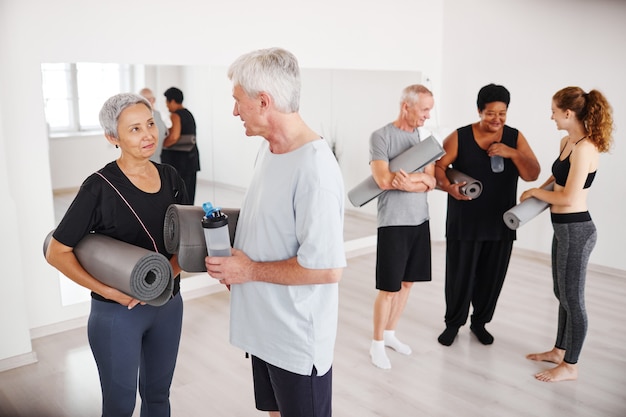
(74,93)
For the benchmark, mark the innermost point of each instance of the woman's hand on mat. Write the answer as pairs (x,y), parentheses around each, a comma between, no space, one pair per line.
(455,191)
(123,299)
(527,194)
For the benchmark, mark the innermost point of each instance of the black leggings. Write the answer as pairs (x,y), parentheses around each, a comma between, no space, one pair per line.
(574,239)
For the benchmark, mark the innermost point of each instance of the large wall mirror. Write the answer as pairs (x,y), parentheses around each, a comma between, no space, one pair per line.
(342,105)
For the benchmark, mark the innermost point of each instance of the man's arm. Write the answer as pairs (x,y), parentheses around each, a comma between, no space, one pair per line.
(239,268)
(451,146)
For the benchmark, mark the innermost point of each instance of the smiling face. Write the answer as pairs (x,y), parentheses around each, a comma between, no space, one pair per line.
(559,116)
(416,114)
(137,133)
(493,116)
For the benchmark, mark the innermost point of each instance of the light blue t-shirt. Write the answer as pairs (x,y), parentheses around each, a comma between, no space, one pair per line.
(294,206)
(397,208)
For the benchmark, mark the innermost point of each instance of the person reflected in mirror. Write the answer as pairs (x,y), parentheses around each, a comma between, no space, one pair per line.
(134,344)
(478,242)
(186,162)
(288,254)
(158,120)
(588,120)
(403,252)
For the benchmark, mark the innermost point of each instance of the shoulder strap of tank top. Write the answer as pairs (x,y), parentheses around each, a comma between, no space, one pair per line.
(131,209)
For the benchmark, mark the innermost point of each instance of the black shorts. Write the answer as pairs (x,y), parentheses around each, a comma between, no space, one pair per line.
(402,254)
(294,395)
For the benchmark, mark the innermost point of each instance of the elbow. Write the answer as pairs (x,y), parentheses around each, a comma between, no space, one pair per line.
(532,174)
(334,275)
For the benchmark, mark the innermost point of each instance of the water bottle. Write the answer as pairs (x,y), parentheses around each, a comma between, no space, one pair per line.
(497,163)
(215,226)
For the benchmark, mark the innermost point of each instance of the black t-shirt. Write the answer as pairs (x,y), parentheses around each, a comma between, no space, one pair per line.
(97,208)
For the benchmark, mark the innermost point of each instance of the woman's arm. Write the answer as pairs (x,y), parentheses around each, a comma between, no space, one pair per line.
(523,157)
(62,257)
(451,146)
(174,134)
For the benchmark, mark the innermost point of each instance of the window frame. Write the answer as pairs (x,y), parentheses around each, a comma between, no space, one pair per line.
(75,126)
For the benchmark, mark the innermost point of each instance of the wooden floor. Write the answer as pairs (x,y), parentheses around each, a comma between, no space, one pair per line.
(466,379)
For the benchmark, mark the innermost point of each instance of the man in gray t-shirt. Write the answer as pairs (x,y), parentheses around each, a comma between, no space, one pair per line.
(403,251)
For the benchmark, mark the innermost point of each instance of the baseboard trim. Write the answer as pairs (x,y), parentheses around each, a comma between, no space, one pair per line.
(59,327)
(17,361)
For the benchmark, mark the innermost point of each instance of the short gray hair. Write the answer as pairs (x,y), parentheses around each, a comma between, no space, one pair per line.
(114,106)
(411,93)
(274,71)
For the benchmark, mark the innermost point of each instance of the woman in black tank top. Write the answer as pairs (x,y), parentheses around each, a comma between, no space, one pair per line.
(587,118)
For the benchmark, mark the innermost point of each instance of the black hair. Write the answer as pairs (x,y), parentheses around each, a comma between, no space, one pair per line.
(491,93)
(175,94)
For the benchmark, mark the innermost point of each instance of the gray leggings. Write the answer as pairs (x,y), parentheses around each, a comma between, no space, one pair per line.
(574,239)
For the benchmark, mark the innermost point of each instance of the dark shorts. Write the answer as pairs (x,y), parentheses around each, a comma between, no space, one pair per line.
(294,395)
(402,254)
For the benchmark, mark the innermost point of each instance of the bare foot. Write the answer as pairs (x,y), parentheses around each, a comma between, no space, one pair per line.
(562,372)
(555,356)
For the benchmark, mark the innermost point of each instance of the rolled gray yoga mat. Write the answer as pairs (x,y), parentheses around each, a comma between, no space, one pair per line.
(525,211)
(183,234)
(472,189)
(413,159)
(137,272)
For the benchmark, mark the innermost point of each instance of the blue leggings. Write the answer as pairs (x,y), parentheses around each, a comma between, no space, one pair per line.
(140,342)
(574,239)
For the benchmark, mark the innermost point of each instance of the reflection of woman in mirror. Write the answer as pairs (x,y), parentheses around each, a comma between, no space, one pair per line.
(128,338)
(160,124)
(187,163)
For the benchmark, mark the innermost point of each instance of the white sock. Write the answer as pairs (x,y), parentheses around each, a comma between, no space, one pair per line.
(392,341)
(379,357)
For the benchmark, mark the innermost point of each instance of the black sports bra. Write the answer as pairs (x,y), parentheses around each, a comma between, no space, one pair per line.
(560,170)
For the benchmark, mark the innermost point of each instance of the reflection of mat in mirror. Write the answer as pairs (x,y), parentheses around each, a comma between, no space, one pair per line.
(184,144)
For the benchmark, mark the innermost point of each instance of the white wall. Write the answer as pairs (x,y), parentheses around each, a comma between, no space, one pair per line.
(323,34)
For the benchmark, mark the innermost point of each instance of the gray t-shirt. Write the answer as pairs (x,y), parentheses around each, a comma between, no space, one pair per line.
(397,208)
(294,206)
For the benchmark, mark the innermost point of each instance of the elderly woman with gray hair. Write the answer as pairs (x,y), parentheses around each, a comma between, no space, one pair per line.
(127,200)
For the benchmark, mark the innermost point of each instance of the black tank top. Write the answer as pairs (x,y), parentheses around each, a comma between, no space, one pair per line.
(560,170)
(481,219)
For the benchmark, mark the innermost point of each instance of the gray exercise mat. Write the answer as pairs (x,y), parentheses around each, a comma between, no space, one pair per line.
(185,143)
(137,272)
(183,234)
(413,159)
(472,188)
(525,211)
